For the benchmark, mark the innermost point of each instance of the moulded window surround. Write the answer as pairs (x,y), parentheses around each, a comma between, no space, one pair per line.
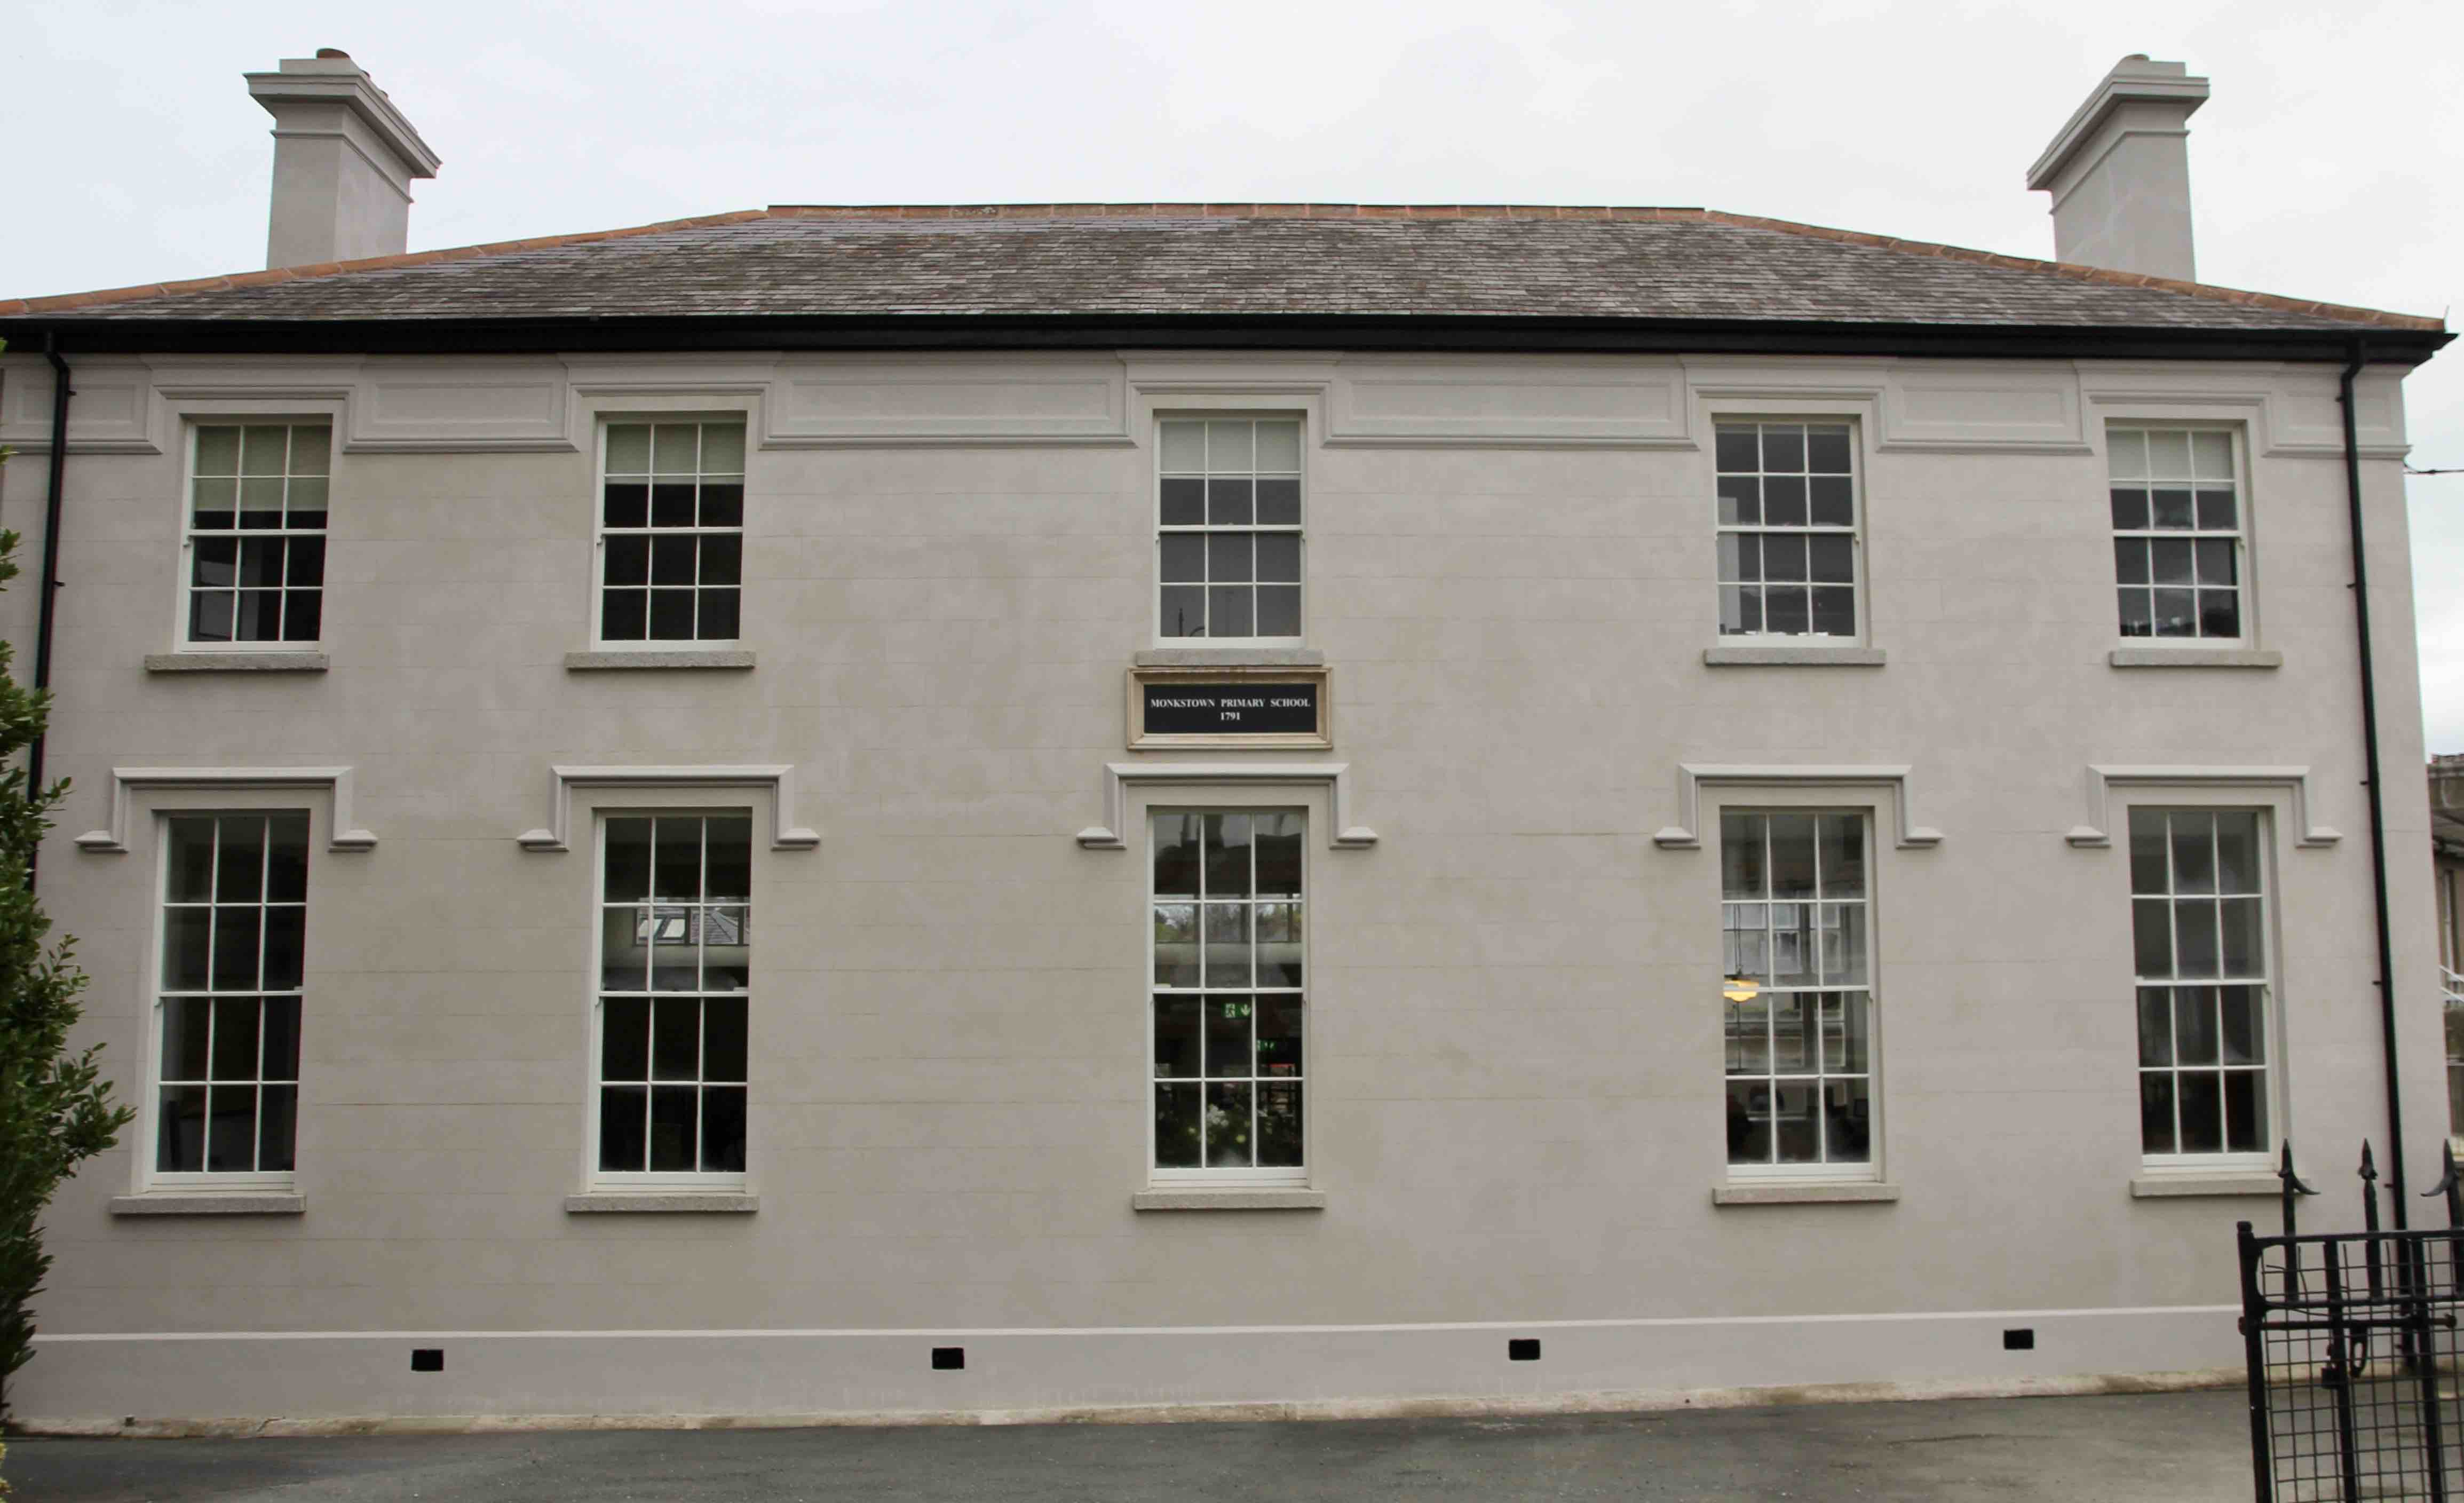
(671,1000)
(254,500)
(1788,524)
(2195,785)
(214,788)
(1798,1003)
(1775,784)
(669,573)
(2179,496)
(220,1111)
(2205,1002)
(620,786)
(1230,536)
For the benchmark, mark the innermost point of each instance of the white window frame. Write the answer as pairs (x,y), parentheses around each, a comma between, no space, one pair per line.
(2450,912)
(651,803)
(148,1125)
(1314,805)
(1855,417)
(192,426)
(1783,800)
(603,421)
(2272,819)
(1155,518)
(2244,535)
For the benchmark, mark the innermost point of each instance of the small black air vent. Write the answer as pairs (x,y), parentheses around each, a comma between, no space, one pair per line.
(2021,1339)
(427,1359)
(1523,1349)
(949,1359)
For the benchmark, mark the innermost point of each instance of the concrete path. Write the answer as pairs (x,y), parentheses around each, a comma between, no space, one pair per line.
(2178,1447)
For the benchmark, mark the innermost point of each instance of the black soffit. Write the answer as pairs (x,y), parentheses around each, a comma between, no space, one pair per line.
(1380,333)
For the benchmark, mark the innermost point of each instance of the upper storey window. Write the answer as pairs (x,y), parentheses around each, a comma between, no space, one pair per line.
(256,533)
(672,532)
(1229,529)
(2177,533)
(1787,530)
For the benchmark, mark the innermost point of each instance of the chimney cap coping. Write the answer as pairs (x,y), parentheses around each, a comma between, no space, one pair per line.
(338,80)
(2136,79)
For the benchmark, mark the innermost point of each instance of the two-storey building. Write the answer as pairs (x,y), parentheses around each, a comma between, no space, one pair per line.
(828,811)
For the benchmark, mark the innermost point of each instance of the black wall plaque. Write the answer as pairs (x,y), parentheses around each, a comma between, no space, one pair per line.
(1233,709)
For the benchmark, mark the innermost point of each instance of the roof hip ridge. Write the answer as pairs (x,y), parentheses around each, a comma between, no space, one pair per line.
(65,302)
(2077,271)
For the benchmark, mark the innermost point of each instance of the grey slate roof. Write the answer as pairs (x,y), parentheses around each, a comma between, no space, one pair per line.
(1677,264)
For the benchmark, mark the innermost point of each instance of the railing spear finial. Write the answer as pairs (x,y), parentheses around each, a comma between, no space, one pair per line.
(2292,1185)
(2449,1185)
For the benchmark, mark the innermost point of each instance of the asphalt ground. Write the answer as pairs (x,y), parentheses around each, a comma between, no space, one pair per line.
(2184,1447)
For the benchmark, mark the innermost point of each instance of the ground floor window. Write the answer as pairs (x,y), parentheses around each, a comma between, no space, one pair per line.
(2199,931)
(234,937)
(675,937)
(1229,994)
(2451,986)
(2454,1008)
(1797,991)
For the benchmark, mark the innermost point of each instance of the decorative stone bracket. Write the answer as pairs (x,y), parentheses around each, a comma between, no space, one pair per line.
(113,838)
(1344,835)
(2103,780)
(1693,777)
(779,782)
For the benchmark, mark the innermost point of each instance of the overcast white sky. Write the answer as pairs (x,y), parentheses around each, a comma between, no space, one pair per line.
(2329,164)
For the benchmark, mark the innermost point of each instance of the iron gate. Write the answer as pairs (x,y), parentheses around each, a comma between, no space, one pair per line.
(2351,1339)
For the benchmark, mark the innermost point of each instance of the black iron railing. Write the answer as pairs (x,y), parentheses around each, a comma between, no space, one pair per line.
(2352,1342)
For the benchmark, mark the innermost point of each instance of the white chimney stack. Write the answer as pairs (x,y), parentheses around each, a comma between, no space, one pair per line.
(2119,171)
(343,158)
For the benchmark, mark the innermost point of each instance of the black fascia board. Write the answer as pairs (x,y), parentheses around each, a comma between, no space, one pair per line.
(1378,333)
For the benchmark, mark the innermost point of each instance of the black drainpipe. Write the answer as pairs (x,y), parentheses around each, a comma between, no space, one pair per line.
(51,575)
(2370,771)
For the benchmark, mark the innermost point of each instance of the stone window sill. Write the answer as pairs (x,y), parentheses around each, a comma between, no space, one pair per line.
(1794,657)
(662,1203)
(211,1203)
(2194,657)
(237,663)
(1229,658)
(736,658)
(2171,1187)
(1228,1200)
(1803,1192)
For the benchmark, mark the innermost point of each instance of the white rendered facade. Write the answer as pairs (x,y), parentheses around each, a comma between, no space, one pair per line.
(1513,944)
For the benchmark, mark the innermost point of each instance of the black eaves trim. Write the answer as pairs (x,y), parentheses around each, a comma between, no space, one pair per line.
(1448,334)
